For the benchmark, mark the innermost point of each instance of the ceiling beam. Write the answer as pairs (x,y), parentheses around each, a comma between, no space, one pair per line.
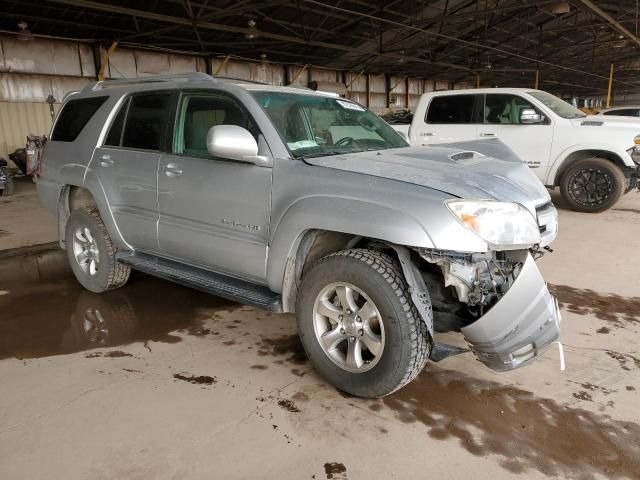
(612,21)
(242,30)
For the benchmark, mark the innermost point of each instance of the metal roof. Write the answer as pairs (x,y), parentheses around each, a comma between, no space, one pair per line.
(502,41)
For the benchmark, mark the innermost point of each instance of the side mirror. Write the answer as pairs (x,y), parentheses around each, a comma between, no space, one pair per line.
(234,143)
(530,116)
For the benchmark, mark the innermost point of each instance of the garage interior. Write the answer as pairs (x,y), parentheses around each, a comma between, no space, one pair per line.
(179,384)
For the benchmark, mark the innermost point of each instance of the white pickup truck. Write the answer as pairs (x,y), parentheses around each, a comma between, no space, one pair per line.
(593,159)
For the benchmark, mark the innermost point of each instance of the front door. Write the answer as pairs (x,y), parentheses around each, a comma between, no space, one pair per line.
(127,166)
(531,142)
(214,212)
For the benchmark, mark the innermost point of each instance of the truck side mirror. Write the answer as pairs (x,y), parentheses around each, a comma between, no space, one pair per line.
(234,143)
(530,116)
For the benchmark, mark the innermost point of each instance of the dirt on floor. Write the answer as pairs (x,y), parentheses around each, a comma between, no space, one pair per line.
(158,381)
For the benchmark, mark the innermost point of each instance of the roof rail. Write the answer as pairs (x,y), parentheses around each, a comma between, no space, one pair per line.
(179,77)
(243,80)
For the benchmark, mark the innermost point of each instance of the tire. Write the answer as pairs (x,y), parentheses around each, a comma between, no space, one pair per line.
(603,176)
(404,341)
(86,231)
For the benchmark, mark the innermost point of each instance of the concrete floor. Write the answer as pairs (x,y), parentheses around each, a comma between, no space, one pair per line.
(185,385)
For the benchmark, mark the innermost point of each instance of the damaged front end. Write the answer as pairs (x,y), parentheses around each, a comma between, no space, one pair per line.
(498,300)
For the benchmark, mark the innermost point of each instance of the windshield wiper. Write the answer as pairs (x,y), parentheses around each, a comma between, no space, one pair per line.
(328,153)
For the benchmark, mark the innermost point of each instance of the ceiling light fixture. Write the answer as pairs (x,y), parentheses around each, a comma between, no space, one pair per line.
(560,8)
(253,31)
(24,34)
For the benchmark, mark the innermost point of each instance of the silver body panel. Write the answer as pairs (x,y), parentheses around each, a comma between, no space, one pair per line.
(247,221)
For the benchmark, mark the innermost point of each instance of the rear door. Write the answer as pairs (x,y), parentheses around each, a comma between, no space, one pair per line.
(531,142)
(449,118)
(214,212)
(127,165)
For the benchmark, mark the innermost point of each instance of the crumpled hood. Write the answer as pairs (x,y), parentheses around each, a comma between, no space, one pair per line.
(455,171)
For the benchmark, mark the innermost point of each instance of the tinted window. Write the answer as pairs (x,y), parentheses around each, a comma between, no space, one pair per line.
(451,109)
(146,121)
(624,112)
(199,114)
(114,137)
(505,109)
(74,116)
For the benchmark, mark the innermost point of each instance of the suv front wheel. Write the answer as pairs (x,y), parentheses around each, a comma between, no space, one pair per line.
(592,185)
(91,252)
(358,325)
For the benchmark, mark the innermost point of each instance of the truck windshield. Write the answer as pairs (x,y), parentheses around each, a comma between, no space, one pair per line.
(314,125)
(559,106)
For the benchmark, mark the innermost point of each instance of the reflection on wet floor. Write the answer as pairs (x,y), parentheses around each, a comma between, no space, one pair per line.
(45,319)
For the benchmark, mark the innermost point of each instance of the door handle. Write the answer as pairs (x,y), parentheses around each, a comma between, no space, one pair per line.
(427,134)
(172,170)
(487,134)
(105,161)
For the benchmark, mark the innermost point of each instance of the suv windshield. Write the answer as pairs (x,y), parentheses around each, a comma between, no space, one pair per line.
(559,106)
(314,125)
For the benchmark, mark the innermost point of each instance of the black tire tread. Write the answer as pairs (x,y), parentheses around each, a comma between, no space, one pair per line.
(387,268)
(118,272)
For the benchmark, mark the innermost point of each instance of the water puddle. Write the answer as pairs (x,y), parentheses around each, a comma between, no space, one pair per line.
(45,319)
(527,431)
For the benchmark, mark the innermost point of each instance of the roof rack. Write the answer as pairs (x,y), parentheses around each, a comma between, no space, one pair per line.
(243,80)
(180,77)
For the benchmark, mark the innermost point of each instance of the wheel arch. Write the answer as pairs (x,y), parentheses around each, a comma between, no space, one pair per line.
(73,197)
(582,154)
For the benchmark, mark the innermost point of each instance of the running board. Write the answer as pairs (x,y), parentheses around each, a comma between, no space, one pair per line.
(203,280)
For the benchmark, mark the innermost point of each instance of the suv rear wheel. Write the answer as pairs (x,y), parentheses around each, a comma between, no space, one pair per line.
(91,253)
(592,185)
(358,324)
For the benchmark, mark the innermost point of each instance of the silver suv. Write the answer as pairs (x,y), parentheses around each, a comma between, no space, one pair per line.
(300,201)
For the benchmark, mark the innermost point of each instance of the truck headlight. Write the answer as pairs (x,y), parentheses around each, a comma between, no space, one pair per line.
(500,224)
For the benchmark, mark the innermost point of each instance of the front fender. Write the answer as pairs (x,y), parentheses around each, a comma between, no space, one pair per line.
(560,160)
(353,216)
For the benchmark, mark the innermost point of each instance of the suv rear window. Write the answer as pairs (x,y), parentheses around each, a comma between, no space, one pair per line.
(451,109)
(74,116)
(146,121)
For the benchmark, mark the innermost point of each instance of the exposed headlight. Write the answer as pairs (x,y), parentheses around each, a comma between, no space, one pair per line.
(500,224)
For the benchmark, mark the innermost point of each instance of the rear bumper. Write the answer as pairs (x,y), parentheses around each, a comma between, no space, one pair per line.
(520,327)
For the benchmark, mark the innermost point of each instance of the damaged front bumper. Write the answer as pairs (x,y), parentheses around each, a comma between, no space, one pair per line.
(520,326)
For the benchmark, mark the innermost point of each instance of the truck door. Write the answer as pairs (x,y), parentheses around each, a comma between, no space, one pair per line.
(531,142)
(449,118)
(214,212)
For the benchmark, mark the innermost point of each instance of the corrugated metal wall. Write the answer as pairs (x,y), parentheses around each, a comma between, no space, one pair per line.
(31,71)
(19,119)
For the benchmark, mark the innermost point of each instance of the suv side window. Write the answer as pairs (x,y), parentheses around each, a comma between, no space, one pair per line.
(200,112)
(74,116)
(114,137)
(451,109)
(505,109)
(146,121)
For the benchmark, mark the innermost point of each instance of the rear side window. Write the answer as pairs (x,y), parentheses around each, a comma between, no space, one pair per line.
(451,109)
(74,116)
(114,137)
(146,122)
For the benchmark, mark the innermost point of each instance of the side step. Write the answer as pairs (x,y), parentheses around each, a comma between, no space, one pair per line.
(203,280)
